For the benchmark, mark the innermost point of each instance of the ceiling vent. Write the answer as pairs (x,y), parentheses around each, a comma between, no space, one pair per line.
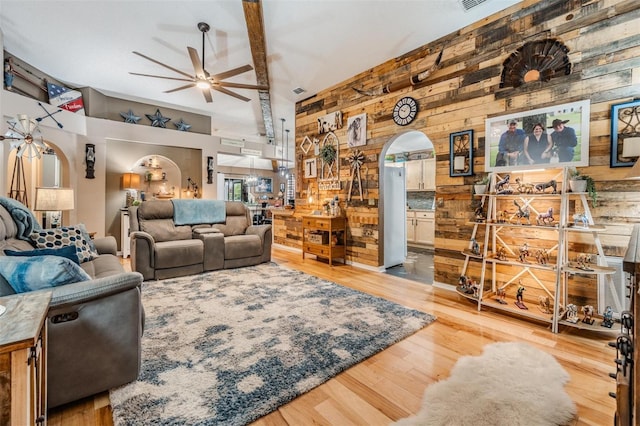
(298,90)
(470,4)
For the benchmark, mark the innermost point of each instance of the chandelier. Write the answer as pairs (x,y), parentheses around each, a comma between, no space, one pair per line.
(251,179)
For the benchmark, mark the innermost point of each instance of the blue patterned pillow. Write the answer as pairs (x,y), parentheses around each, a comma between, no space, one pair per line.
(69,252)
(62,237)
(38,272)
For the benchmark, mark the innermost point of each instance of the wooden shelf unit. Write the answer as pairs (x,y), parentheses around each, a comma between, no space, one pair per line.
(505,231)
(331,230)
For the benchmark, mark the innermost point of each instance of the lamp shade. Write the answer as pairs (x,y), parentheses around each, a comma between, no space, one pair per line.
(130,181)
(54,199)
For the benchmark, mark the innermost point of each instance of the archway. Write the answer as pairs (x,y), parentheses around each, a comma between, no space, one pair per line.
(392,203)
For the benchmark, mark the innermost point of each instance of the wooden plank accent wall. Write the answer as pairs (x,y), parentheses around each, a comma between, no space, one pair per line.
(604,44)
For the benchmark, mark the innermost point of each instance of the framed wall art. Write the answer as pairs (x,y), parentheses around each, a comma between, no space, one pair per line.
(625,133)
(264,185)
(357,130)
(461,153)
(310,168)
(555,136)
(330,122)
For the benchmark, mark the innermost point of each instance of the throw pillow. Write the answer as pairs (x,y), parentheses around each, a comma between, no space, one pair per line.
(86,236)
(69,252)
(65,236)
(38,272)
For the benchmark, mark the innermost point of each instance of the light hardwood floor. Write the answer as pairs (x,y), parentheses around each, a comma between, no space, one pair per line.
(389,385)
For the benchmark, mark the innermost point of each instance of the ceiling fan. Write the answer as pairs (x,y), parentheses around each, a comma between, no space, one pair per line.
(202,78)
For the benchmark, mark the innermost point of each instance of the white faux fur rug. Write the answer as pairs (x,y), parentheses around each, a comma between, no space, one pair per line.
(509,384)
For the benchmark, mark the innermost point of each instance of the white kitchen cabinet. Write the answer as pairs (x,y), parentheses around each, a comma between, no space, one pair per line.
(421,175)
(420,227)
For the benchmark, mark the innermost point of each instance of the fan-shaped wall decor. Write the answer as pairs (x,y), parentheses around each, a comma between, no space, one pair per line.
(535,61)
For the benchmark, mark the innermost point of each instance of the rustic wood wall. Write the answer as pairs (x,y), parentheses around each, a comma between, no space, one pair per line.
(604,44)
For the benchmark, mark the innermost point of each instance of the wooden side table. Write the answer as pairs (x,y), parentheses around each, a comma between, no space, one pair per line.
(324,236)
(23,359)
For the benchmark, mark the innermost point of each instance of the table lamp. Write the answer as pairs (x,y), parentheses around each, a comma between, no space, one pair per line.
(53,200)
(130,182)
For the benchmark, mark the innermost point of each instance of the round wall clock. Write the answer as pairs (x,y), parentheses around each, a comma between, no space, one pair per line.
(405,111)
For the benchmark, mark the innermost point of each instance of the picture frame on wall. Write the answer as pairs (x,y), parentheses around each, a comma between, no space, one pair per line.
(357,130)
(461,153)
(310,168)
(563,142)
(264,185)
(625,133)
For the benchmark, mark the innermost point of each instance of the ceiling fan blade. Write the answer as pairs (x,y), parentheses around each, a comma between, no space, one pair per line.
(161,76)
(230,93)
(239,85)
(163,65)
(207,95)
(232,72)
(186,86)
(195,60)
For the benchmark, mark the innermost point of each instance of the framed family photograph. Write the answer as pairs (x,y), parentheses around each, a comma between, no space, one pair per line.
(555,136)
(461,153)
(625,133)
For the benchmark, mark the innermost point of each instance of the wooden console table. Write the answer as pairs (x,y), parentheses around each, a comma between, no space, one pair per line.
(324,236)
(23,359)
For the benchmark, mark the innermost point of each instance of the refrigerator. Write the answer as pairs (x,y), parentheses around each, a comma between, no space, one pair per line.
(395,215)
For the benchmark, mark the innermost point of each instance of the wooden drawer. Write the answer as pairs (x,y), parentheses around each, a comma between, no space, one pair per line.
(324,250)
(424,215)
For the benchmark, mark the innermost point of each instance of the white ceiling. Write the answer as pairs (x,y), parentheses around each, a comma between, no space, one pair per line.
(313,44)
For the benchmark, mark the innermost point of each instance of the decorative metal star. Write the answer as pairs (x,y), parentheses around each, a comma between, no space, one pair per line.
(130,117)
(158,120)
(182,126)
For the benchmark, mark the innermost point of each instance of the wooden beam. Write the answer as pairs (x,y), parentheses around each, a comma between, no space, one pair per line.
(255,28)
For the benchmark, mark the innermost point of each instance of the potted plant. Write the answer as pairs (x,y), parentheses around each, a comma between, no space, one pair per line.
(583,183)
(480,185)
(328,154)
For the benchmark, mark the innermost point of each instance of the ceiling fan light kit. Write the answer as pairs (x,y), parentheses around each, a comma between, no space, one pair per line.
(202,79)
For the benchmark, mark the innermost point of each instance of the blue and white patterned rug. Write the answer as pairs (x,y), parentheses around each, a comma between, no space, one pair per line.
(228,347)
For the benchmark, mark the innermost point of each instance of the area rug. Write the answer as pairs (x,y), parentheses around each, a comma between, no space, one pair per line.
(509,384)
(228,347)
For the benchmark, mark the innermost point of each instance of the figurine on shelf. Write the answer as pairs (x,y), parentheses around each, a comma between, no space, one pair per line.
(584,260)
(524,188)
(607,317)
(502,294)
(479,214)
(464,285)
(522,213)
(502,184)
(581,220)
(542,256)
(502,216)
(572,313)
(524,252)
(544,304)
(546,218)
(542,187)
(519,293)
(501,254)
(587,310)
(475,288)
(475,247)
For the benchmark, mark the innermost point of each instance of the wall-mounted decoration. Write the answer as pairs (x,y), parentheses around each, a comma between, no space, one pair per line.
(461,153)
(158,120)
(625,133)
(90,160)
(536,61)
(49,115)
(357,130)
(356,160)
(330,122)
(567,125)
(182,126)
(412,81)
(209,169)
(130,117)
(65,98)
(264,185)
(310,168)
(405,111)
(8,73)
(306,144)
(330,154)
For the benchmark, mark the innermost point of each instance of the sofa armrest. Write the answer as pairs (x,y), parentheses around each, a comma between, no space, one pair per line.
(259,230)
(106,245)
(86,291)
(143,251)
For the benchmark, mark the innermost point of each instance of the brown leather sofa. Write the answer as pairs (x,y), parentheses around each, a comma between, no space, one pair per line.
(161,249)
